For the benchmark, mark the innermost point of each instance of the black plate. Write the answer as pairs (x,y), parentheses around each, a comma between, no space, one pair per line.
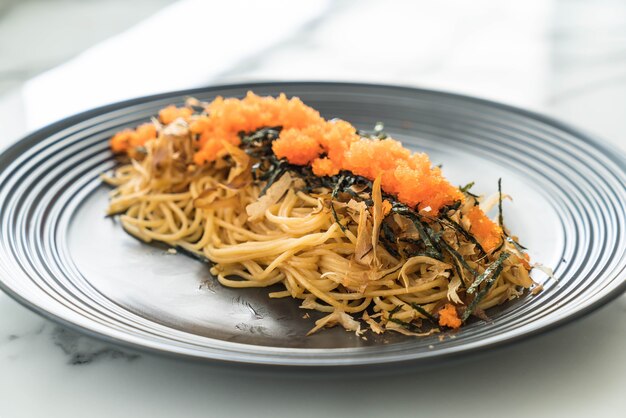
(62,258)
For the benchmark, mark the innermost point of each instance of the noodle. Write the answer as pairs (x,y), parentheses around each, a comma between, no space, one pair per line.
(341,242)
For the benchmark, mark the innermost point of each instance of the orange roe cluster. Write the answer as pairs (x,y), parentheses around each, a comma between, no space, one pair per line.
(404,174)
(448,317)
(328,146)
(227,117)
(129,139)
(487,232)
(169,114)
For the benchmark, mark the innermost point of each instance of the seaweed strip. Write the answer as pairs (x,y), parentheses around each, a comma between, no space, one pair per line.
(493,270)
(424,312)
(432,249)
(466,234)
(388,238)
(482,293)
(516,244)
(193,255)
(466,189)
(457,268)
(276,174)
(394,311)
(458,258)
(333,196)
(409,326)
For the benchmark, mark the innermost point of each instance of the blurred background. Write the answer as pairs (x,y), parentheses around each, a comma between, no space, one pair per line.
(566,58)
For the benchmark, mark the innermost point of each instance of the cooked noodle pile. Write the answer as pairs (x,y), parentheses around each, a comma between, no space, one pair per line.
(341,240)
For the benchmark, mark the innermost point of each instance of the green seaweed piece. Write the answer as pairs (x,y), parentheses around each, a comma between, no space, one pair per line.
(489,271)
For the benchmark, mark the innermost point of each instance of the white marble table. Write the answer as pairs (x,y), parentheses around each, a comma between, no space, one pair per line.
(562,58)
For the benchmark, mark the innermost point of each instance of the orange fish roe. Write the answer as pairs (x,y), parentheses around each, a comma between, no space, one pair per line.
(171,113)
(129,139)
(487,232)
(407,175)
(227,117)
(297,148)
(323,167)
(328,146)
(121,141)
(448,317)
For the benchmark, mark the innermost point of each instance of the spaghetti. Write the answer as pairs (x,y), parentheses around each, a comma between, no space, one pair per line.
(350,223)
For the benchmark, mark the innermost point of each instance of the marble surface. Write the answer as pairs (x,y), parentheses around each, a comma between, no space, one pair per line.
(61,20)
(564,58)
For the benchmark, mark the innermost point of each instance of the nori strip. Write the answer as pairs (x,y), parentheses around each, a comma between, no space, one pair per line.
(459,259)
(516,244)
(193,255)
(482,293)
(394,311)
(466,189)
(490,272)
(424,312)
(333,196)
(463,232)
(388,238)
(409,326)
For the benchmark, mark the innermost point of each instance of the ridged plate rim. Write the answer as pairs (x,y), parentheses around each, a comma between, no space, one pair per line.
(616,156)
